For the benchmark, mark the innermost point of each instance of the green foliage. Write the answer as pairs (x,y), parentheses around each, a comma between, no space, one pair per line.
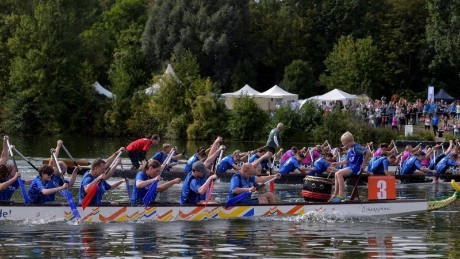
(353,66)
(247,120)
(243,74)
(209,119)
(298,78)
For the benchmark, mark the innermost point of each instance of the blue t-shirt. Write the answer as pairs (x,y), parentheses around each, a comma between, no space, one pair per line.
(289,166)
(264,162)
(102,187)
(443,164)
(377,165)
(320,165)
(53,183)
(435,121)
(189,194)
(35,191)
(139,193)
(190,161)
(225,164)
(426,107)
(410,165)
(160,157)
(435,161)
(239,181)
(356,157)
(6,194)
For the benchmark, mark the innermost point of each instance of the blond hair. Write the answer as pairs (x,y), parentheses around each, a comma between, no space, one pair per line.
(348,137)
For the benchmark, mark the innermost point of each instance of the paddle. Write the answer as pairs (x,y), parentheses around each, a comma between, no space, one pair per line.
(244,195)
(89,196)
(211,187)
(272,183)
(24,158)
(69,155)
(128,189)
(153,189)
(21,184)
(66,193)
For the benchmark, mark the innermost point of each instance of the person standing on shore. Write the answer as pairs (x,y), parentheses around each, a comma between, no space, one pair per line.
(273,138)
(137,150)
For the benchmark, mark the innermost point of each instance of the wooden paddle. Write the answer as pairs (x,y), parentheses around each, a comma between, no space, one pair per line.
(89,196)
(153,189)
(66,193)
(244,195)
(211,187)
(21,184)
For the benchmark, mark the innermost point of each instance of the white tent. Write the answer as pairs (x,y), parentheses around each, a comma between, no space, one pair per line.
(273,96)
(154,88)
(230,97)
(313,99)
(102,90)
(337,95)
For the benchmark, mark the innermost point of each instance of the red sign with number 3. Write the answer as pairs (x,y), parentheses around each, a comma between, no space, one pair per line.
(381,187)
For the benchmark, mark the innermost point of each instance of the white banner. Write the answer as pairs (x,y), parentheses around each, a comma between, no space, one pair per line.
(430,93)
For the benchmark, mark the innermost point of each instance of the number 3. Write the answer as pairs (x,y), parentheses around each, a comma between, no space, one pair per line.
(382,186)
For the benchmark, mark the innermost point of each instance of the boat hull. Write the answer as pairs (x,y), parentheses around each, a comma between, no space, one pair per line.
(128,213)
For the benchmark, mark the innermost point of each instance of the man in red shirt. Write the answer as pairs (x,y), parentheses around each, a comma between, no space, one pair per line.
(137,150)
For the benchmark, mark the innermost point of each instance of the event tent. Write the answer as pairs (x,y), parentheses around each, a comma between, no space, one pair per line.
(154,88)
(230,97)
(313,99)
(443,95)
(337,95)
(102,90)
(273,96)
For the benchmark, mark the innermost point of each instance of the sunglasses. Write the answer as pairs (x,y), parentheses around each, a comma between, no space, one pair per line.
(48,173)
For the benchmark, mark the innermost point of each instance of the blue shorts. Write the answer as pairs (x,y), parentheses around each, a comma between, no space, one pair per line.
(251,201)
(350,170)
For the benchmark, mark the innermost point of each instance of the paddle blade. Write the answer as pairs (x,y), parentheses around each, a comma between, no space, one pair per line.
(148,196)
(71,202)
(237,198)
(24,192)
(85,202)
(209,193)
(272,187)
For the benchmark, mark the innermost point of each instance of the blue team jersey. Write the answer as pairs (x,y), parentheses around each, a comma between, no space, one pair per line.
(377,165)
(289,166)
(264,162)
(410,165)
(53,183)
(356,157)
(190,161)
(102,187)
(435,121)
(189,194)
(225,164)
(239,181)
(435,161)
(320,165)
(6,194)
(443,164)
(35,191)
(160,157)
(139,193)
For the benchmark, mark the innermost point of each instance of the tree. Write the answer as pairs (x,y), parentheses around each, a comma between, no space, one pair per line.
(243,74)
(247,120)
(353,66)
(298,78)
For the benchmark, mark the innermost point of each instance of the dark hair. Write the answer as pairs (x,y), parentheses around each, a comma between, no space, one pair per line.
(384,153)
(202,153)
(300,155)
(4,172)
(97,162)
(152,163)
(327,154)
(45,169)
(383,145)
(155,137)
(420,153)
(200,148)
(260,150)
(392,156)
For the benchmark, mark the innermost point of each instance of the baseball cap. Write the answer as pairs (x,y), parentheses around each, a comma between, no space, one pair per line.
(200,167)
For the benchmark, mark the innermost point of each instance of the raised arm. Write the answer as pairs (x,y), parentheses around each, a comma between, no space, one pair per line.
(109,160)
(52,163)
(215,146)
(213,157)
(5,152)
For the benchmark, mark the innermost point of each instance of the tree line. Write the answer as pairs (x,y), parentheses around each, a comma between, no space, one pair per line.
(53,51)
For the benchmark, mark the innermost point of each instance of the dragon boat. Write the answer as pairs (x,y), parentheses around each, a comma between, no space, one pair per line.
(173,212)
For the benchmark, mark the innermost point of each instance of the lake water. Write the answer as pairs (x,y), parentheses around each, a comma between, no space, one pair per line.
(425,235)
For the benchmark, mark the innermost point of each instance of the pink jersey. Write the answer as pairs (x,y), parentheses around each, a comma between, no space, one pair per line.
(307,159)
(378,152)
(394,121)
(287,155)
(427,160)
(406,155)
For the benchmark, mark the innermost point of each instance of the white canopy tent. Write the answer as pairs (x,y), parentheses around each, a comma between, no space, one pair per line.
(102,90)
(154,88)
(337,95)
(230,97)
(313,99)
(273,96)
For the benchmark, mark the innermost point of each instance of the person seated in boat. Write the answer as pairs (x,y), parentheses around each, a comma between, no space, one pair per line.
(428,150)
(412,164)
(379,165)
(38,191)
(245,181)
(311,155)
(384,147)
(137,150)
(358,156)
(200,155)
(228,164)
(264,163)
(150,173)
(292,164)
(321,165)
(8,183)
(291,152)
(96,176)
(163,155)
(196,184)
(408,151)
(439,157)
(449,160)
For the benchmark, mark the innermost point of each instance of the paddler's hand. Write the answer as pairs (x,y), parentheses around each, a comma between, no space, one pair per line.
(222,147)
(212,177)
(278,176)
(252,189)
(102,177)
(64,186)
(177,181)
(158,178)
(5,137)
(17,175)
(218,140)
(268,154)
(77,168)
(122,149)
(59,143)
